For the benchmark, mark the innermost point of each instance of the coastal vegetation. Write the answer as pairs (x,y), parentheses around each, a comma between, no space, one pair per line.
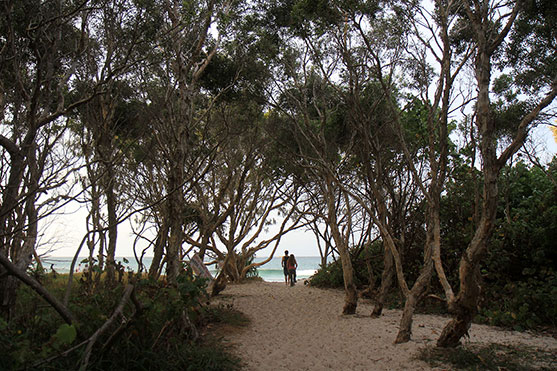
(519,288)
(159,327)
(398,132)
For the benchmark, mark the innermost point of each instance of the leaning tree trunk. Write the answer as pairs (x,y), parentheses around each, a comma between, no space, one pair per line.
(386,282)
(433,243)
(8,207)
(414,296)
(351,294)
(158,251)
(351,297)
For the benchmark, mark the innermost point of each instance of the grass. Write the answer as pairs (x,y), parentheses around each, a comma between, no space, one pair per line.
(490,357)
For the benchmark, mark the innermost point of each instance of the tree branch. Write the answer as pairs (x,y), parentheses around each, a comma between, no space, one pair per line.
(39,289)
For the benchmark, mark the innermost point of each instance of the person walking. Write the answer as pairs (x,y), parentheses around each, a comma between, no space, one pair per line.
(292,265)
(285,267)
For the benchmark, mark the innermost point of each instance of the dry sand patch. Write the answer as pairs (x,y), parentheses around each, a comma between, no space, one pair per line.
(301,328)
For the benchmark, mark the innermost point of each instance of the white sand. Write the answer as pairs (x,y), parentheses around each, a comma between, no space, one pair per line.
(301,328)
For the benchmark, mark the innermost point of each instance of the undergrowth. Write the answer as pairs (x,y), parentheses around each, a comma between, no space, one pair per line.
(490,357)
(166,334)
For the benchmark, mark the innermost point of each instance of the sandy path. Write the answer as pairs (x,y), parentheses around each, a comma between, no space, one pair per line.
(301,328)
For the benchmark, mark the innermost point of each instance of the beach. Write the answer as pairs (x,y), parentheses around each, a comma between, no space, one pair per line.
(302,328)
(270,272)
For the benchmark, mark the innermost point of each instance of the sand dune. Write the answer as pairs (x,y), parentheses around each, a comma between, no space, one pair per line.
(301,328)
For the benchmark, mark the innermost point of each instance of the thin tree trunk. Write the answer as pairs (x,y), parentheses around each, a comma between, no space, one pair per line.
(351,294)
(31,282)
(414,296)
(160,243)
(175,199)
(386,283)
(112,224)
(464,307)
(436,256)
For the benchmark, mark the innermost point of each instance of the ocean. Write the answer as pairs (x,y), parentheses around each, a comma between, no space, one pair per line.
(270,272)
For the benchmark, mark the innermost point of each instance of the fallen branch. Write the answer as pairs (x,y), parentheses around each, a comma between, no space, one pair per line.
(39,289)
(124,326)
(119,311)
(62,354)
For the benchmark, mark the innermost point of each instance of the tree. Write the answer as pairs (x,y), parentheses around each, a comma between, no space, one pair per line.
(41,53)
(490,25)
(172,83)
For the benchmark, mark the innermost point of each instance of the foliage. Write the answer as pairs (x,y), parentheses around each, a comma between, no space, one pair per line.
(252,272)
(331,276)
(519,275)
(156,338)
(490,357)
(520,281)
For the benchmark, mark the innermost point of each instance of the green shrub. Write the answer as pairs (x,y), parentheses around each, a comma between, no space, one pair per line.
(524,305)
(490,357)
(329,276)
(162,336)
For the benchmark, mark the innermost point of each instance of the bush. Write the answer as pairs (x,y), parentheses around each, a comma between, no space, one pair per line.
(524,305)
(329,276)
(162,336)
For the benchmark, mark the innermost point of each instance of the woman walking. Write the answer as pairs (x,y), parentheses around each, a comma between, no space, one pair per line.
(292,265)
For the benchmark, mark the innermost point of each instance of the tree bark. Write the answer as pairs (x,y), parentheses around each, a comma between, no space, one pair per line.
(414,296)
(31,282)
(351,294)
(112,224)
(160,243)
(386,282)
(464,307)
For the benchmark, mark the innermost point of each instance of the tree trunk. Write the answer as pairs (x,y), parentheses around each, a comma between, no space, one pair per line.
(172,252)
(351,294)
(416,293)
(231,266)
(386,282)
(160,243)
(351,297)
(112,224)
(174,202)
(464,306)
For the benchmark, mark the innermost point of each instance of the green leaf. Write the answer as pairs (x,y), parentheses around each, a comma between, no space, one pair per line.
(65,335)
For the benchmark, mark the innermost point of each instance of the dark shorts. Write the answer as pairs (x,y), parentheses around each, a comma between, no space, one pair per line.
(285,271)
